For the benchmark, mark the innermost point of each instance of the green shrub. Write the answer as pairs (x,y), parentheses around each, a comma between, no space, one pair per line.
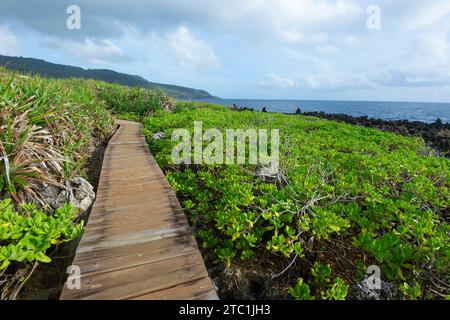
(337,291)
(26,236)
(301,291)
(127,100)
(25,239)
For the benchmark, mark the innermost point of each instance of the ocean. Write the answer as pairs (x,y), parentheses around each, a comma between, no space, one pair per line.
(413,111)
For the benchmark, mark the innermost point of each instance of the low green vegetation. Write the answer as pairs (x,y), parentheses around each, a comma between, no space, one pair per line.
(30,233)
(25,237)
(129,101)
(346,197)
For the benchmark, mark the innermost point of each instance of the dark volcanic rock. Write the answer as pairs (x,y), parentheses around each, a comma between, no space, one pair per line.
(363,291)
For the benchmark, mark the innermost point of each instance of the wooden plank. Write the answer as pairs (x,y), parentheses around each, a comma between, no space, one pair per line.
(198,289)
(144,256)
(142,279)
(186,242)
(137,243)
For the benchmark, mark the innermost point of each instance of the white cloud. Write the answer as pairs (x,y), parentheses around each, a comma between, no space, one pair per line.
(435,48)
(292,20)
(285,21)
(336,82)
(424,61)
(305,60)
(327,49)
(410,78)
(428,14)
(327,82)
(279,81)
(185,49)
(314,11)
(96,53)
(188,51)
(351,40)
(89,51)
(8,42)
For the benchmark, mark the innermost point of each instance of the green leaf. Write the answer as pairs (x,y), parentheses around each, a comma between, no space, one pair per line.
(42,258)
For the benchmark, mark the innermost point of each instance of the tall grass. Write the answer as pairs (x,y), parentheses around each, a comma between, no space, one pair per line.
(48,130)
(137,101)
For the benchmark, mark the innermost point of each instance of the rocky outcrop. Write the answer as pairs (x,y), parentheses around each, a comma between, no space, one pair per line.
(159,136)
(364,291)
(237,283)
(78,192)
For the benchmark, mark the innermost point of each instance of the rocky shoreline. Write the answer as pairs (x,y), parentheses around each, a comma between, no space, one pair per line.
(436,135)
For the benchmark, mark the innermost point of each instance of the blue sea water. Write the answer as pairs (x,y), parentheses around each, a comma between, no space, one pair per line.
(413,111)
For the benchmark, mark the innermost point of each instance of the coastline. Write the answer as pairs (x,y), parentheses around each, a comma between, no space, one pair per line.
(436,135)
(426,112)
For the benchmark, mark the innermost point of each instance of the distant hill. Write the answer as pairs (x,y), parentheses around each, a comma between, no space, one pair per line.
(47,69)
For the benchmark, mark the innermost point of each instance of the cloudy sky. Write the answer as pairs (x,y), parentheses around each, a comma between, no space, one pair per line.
(279,49)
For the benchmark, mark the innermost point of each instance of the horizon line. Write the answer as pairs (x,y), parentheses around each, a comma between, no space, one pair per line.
(323,100)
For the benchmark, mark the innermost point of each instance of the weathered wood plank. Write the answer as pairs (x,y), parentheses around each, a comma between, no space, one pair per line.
(142,279)
(198,289)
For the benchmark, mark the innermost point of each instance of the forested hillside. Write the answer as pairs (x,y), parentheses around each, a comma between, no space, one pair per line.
(60,71)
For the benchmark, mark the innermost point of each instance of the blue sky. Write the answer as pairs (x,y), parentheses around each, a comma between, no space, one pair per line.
(267,49)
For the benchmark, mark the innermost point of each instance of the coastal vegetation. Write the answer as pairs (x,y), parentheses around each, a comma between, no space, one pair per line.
(436,134)
(48,131)
(133,103)
(346,197)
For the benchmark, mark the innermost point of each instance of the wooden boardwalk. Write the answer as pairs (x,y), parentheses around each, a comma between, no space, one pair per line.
(137,243)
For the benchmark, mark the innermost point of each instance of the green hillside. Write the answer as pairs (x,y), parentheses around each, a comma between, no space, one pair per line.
(47,69)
